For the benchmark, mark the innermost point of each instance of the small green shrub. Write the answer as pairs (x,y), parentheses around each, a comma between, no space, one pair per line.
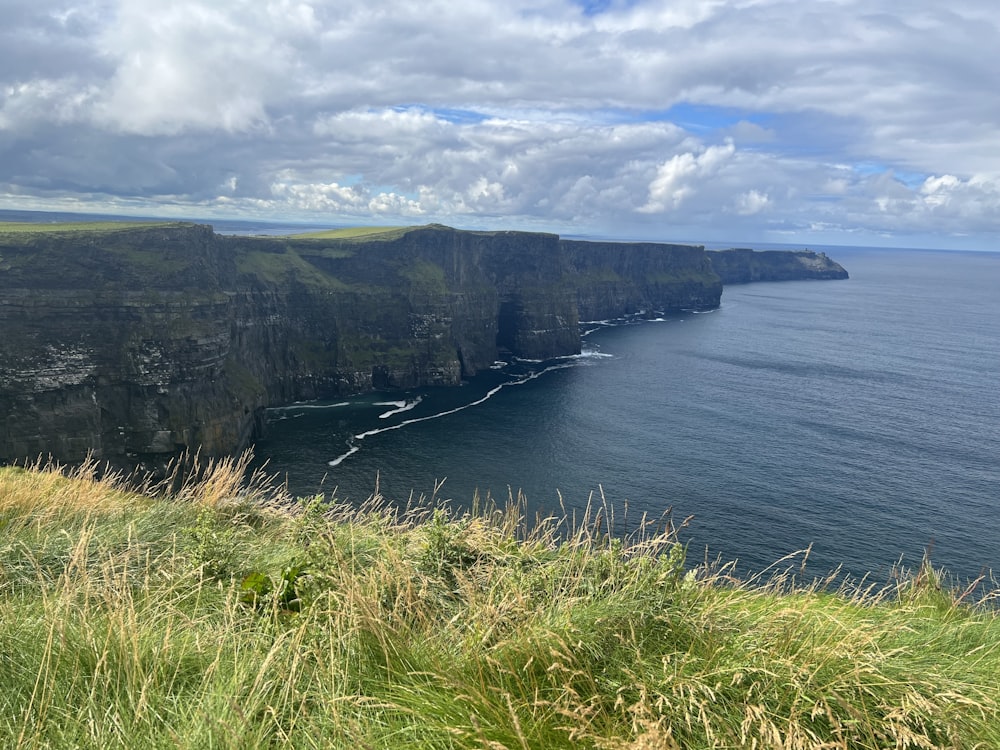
(257,590)
(446,551)
(213,543)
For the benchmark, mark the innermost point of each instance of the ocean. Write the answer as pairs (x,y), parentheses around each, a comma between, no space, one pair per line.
(858,418)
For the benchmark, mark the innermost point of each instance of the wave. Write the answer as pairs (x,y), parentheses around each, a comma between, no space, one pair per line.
(625,320)
(352,442)
(302,405)
(400,406)
(339,459)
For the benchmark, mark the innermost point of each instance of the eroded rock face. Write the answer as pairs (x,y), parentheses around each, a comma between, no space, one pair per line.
(742,266)
(119,344)
(133,344)
(613,279)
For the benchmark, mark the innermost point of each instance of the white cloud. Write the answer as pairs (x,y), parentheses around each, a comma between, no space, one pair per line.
(192,64)
(842,114)
(752,202)
(679,177)
(938,191)
(26,104)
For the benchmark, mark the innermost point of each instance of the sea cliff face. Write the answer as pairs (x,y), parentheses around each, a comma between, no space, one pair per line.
(134,344)
(613,279)
(742,266)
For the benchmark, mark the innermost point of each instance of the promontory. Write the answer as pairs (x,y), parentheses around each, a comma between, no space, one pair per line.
(132,343)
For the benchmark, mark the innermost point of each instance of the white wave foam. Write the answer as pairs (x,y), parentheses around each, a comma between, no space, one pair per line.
(340,459)
(401,406)
(406,422)
(297,406)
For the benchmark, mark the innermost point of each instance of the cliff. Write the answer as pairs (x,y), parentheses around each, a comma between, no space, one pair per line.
(742,266)
(134,343)
(120,343)
(613,279)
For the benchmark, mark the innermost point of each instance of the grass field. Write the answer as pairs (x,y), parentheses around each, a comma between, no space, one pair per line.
(23,228)
(223,615)
(354,233)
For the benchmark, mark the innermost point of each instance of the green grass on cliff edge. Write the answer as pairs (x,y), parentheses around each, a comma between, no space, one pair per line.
(224,615)
(355,233)
(24,228)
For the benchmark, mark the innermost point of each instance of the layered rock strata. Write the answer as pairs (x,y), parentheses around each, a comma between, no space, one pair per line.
(742,266)
(132,344)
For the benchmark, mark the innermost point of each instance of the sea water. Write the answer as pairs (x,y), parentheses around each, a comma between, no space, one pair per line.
(858,418)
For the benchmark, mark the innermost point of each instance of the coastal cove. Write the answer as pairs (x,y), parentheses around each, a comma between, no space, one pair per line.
(136,343)
(858,417)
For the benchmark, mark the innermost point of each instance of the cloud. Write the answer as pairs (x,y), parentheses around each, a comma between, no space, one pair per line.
(188,64)
(678,178)
(745,131)
(786,115)
(752,202)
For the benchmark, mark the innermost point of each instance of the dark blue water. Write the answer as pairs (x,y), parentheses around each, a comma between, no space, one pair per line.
(861,417)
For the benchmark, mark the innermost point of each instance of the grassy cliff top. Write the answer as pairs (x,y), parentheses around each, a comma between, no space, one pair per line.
(224,615)
(395,232)
(30,228)
(355,233)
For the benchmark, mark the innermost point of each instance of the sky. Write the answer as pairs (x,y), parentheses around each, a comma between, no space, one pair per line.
(798,121)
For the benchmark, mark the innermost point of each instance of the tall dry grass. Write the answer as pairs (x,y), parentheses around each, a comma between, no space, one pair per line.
(227,616)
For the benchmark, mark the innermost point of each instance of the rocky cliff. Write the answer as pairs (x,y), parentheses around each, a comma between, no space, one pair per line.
(613,279)
(741,265)
(133,343)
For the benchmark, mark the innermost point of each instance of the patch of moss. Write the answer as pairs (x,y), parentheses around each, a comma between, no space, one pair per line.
(243,381)
(363,353)
(313,355)
(282,268)
(149,260)
(425,277)
(682,277)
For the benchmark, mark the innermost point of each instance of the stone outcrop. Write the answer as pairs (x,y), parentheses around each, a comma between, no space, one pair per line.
(132,344)
(742,266)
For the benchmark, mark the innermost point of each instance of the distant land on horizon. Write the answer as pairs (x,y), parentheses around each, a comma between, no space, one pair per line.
(278,227)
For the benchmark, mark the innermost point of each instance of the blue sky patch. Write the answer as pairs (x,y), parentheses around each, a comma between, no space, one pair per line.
(703,118)
(596,7)
(910,179)
(448,114)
